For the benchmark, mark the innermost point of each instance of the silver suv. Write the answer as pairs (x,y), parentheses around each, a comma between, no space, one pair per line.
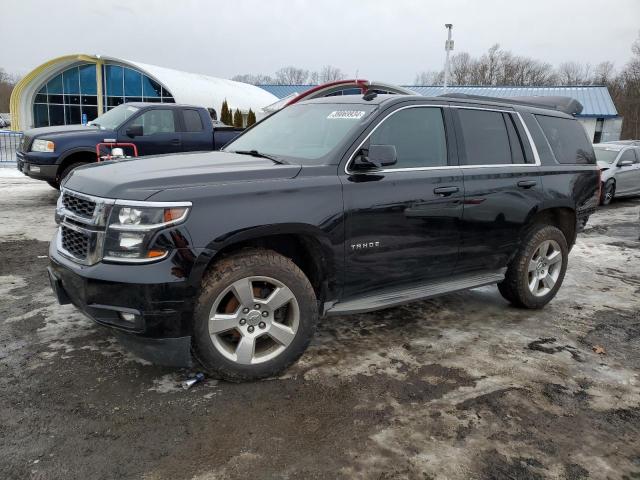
(620,167)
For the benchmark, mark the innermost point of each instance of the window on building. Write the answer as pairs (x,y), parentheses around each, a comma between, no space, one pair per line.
(71,95)
(418,135)
(597,134)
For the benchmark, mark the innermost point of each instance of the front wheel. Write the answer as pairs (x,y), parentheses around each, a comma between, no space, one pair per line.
(255,316)
(536,273)
(608,192)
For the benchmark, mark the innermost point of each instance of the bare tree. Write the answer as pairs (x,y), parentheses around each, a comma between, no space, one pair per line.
(253,79)
(291,76)
(429,78)
(7,82)
(603,74)
(574,73)
(328,73)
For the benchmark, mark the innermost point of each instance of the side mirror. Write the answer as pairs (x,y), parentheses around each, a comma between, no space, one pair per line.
(377,156)
(625,163)
(135,131)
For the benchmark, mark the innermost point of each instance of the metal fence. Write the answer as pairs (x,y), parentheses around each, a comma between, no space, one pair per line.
(9,143)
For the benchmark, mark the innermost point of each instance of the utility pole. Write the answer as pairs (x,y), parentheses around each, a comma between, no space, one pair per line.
(448,46)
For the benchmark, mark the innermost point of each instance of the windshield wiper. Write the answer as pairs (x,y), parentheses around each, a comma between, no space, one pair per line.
(256,153)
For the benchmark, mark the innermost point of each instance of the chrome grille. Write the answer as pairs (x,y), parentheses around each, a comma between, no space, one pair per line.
(80,206)
(75,242)
(25,143)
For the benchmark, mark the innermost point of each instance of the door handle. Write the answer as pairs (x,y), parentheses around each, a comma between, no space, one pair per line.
(527,183)
(445,191)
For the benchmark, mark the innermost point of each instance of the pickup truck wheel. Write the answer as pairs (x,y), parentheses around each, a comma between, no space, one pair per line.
(608,192)
(536,273)
(255,316)
(68,169)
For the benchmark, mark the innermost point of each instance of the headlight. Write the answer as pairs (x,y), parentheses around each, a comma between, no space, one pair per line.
(43,146)
(131,229)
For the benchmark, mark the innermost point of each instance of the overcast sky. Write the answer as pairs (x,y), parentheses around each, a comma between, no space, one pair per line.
(386,40)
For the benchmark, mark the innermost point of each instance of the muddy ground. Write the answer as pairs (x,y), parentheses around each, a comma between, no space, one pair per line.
(460,387)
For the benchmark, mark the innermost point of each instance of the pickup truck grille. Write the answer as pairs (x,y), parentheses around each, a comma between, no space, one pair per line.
(80,206)
(25,144)
(75,242)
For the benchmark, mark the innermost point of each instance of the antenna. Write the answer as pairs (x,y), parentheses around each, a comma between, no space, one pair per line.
(448,46)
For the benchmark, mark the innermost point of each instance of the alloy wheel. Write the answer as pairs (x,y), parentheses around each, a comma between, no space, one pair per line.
(544,268)
(254,320)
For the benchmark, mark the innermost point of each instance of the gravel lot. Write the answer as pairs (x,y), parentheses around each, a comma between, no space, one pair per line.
(460,387)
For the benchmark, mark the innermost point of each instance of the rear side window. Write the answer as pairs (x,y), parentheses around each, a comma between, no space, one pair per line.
(567,139)
(418,135)
(485,138)
(192,121)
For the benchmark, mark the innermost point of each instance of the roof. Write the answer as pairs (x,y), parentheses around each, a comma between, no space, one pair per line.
(198,89)
(596,100)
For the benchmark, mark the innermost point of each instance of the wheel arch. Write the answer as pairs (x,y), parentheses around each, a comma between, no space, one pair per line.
(83,155)
(562,217)
(307,246)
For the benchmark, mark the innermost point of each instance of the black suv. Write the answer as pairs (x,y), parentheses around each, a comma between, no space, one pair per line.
(329,207)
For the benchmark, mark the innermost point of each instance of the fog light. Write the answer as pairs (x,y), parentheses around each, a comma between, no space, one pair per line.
(128,317)
(34,169)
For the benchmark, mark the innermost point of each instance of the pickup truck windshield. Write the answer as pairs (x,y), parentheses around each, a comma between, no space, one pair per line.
(114,117)
(303,132)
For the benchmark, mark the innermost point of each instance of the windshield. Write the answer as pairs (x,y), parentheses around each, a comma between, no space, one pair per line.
(304,131)
(606,155)
(114,117)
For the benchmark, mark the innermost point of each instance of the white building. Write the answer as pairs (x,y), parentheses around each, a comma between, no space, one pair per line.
(73,88)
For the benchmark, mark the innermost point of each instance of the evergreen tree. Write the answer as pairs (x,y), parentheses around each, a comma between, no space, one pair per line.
(225,113)
(237,119)
(251,118)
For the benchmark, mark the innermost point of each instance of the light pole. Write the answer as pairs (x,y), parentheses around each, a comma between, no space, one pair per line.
(448,46)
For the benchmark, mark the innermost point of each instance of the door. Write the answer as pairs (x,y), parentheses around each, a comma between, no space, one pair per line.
(403,221)
(159,132)
(196,137)
(502,186)
(628,177)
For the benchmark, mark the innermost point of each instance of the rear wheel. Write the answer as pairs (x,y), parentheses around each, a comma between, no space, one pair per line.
(536,273)
(608,192)
(256,315)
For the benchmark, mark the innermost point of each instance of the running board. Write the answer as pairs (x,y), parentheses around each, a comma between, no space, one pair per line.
(398,296)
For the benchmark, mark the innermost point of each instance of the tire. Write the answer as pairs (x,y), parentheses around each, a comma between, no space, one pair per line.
(235,341)
(54,184)
(520,286)
(608,192)
(67,170)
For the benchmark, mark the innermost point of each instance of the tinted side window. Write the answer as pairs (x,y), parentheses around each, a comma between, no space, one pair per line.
(517,153)
(155,121)
(192,121)
(418,135)
(567,139)
(484,136)
(628,155)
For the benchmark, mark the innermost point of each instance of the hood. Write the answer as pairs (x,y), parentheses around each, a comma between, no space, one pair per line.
(139,178)
(51,132)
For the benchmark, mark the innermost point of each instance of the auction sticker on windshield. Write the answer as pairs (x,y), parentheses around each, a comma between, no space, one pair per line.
(346,114)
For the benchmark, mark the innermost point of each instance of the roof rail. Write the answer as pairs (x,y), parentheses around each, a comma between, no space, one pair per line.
(567,105)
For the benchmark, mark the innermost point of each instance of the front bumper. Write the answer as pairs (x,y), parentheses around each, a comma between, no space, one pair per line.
(37,165)
(149,307)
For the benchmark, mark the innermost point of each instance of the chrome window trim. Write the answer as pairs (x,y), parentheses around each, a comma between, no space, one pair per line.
(536,156)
